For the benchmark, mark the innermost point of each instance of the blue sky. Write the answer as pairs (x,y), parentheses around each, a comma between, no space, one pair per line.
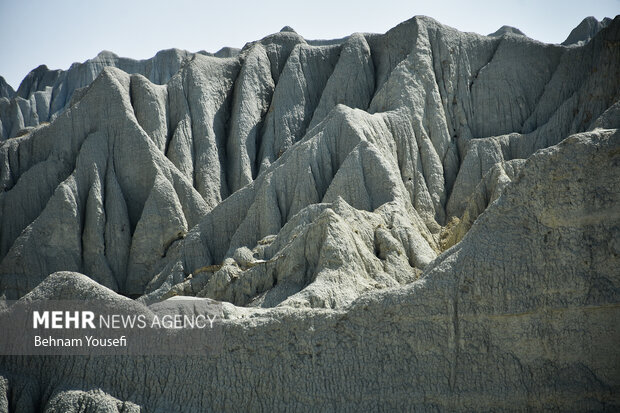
(58,33)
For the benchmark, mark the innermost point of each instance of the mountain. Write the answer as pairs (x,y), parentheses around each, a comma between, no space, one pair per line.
(44,93)
(6,91)
(421,219)
(586,30)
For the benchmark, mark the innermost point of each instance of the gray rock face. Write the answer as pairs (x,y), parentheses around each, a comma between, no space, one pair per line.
(586,30)
(488,326)
(505,30)
(424,219)
(6,91)
(44,93)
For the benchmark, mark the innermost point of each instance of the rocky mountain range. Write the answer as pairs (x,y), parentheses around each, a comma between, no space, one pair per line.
(418,220)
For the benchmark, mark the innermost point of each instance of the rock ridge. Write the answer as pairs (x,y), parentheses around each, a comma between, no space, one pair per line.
(418,220)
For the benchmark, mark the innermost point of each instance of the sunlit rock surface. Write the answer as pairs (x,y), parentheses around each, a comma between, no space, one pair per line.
(423,219)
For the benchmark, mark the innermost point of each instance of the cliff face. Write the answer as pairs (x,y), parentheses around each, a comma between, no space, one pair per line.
(586,30)
(324,183)
(6,91)
(44,93)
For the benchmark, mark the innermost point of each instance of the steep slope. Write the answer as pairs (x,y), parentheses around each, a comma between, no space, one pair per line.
(416,220)
(521,314)
(44,93)
(586,30)
(6,91)
(98,208)
(229,150)
(505,30)
(351,169)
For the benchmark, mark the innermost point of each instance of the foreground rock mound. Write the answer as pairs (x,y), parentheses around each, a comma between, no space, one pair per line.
(424,219)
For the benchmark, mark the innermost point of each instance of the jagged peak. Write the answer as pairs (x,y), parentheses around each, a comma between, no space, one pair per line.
(40,68)
(606,21)
(6,90)
(287,29)
(585,30)
(327,185)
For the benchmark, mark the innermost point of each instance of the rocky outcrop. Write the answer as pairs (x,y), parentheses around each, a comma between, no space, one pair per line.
(44,93)
(423,219)
(289,124)
(6,91)
(487,191)
(522,312)
(586,30)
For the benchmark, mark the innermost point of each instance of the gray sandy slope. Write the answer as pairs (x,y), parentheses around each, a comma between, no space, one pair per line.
(419,220)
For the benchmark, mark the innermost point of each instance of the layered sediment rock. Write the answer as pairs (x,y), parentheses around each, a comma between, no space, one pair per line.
(420,219)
